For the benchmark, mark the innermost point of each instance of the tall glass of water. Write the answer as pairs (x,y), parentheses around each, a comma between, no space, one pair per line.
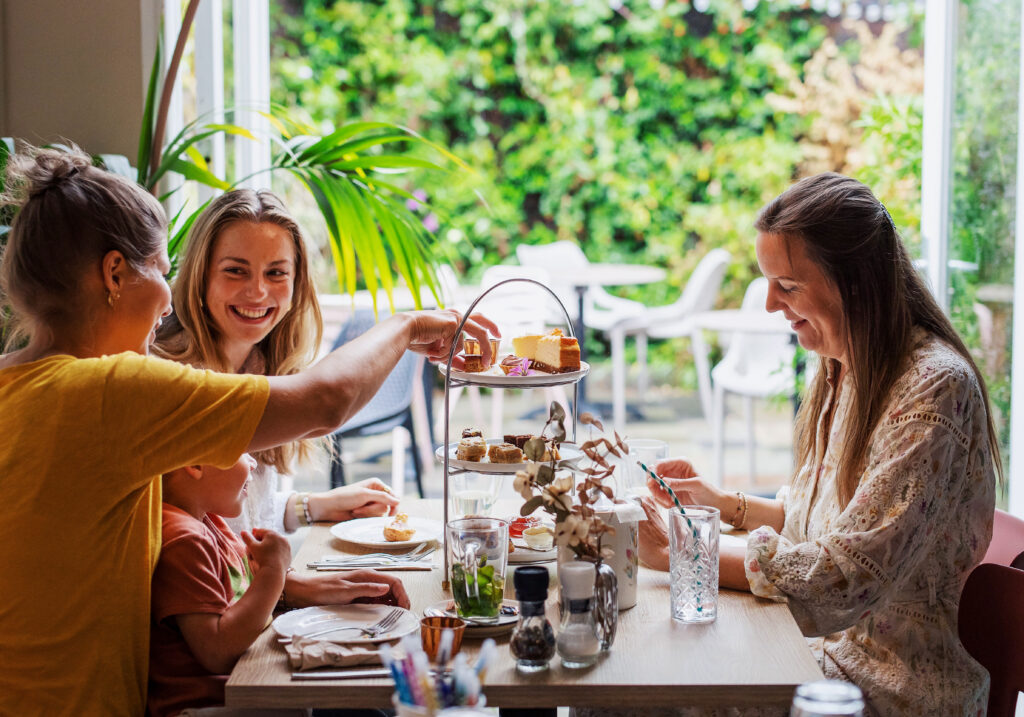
(828,698)
(642,450)
(473,493)
(693,562)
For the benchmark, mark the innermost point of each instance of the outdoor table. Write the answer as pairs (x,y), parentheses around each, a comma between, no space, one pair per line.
(753,654)
(581,278)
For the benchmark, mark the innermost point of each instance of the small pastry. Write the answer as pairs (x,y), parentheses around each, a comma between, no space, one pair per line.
(505,453)
(550,453)
(473,449)
(515,366)
(474,363)
(470,432)
(517,439)
(398,529)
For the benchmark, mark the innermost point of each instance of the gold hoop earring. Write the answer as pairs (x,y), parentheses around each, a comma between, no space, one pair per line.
(111,298)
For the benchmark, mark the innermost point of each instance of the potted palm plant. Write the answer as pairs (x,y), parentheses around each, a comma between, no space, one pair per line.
(372,232)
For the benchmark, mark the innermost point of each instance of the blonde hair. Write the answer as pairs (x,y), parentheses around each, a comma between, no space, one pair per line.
(70,214)
(849,234)
(191,336)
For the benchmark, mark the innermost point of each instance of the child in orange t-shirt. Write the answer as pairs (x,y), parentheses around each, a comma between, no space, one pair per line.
(213,593)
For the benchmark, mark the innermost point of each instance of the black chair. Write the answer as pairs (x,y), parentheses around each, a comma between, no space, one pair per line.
(390,408)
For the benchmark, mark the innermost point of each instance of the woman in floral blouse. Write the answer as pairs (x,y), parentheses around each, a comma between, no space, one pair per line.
(892,501)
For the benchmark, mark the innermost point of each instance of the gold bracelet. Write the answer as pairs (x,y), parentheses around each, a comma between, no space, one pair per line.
(741,512)
(302,509)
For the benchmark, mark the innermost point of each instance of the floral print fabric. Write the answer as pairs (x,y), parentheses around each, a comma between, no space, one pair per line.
(878,583)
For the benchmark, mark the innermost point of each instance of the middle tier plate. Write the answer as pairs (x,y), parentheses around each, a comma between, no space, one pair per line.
(569,451)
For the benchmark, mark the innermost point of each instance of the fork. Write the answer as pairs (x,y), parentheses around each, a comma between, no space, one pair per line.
(418,552)
(383,625)
(371,562)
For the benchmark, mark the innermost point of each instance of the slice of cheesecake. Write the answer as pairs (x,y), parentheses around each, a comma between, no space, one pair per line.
(526,346)
(552,353)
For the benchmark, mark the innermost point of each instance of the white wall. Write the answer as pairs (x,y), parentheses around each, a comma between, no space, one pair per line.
(76,70)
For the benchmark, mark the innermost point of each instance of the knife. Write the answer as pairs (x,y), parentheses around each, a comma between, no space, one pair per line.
(329,567)
(342,674)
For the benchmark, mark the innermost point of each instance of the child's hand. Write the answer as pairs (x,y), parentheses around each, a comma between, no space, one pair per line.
(267,551)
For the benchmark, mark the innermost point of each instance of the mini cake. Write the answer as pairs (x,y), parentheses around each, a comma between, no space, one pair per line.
(517,439)
(505,453)
(470,432)
(515,363)
(552,353)
(474,363)
(398,529)
(550,453)
(472,448)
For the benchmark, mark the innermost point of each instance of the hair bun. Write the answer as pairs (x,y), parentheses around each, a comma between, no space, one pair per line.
(32,172)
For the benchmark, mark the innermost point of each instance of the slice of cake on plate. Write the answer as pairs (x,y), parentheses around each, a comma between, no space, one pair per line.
(552,353)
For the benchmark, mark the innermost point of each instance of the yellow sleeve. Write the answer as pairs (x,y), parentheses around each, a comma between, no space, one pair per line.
(160,415)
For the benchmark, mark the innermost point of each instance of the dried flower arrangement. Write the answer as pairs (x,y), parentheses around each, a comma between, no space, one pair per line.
(577,525)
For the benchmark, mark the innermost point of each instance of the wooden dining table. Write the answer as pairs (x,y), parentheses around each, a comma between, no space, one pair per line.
(753,654)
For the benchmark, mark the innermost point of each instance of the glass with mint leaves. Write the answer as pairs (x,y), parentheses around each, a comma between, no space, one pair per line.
(478,556)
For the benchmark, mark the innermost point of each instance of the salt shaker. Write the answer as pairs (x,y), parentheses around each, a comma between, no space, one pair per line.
(827,698)
(533,642)
(578,641)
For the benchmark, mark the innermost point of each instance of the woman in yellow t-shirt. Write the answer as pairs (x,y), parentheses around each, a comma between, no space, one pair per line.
(89,423)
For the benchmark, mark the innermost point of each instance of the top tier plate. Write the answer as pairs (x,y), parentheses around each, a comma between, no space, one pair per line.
(494,377)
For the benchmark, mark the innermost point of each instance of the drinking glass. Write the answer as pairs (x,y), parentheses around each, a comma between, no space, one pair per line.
(473,494)
(693,563)
(478,556)
(647,451)
(828,698)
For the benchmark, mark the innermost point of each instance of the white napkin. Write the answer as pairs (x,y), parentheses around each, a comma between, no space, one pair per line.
(308,654)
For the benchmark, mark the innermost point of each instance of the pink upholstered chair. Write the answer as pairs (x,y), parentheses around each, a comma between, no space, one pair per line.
(1007,539)
(991,626)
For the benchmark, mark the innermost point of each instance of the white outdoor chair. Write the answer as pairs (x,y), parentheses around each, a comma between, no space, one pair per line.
(518,309)
(670,321)
(755,366)
(601,309)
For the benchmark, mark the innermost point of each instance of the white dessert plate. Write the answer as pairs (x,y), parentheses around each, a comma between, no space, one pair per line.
(496,377)
(525,555)
(569,452)
(311,620)
(370,532)
(507,619)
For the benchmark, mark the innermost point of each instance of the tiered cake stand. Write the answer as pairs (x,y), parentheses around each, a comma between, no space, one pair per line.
(489,380)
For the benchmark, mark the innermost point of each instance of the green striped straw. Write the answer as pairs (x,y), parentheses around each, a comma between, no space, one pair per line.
(682,511)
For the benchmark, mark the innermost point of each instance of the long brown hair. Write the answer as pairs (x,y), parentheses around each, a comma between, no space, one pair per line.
(70,214)
(191,336)
(849,234)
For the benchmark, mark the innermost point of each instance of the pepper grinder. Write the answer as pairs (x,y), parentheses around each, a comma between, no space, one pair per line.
(533,642)
(578,641)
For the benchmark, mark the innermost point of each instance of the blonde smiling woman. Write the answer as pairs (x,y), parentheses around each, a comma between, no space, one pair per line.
(244,303)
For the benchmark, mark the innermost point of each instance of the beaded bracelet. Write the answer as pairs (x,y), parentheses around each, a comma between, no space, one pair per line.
(302,513)
(741,511)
